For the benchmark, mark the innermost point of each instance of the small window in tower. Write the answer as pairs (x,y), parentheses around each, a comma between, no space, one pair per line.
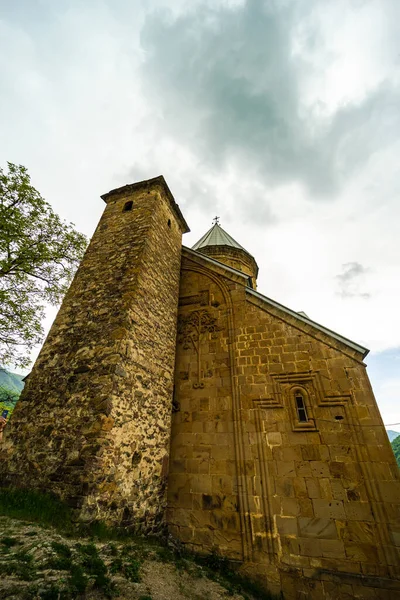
(128,206)
(301,408)
(169,222)
(250,282)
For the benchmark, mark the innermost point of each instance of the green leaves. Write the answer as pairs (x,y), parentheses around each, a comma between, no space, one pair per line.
(39,254)
(396,448)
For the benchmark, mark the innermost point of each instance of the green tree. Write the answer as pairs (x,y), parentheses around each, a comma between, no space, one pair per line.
(396,448)
(39,254)
(8,399)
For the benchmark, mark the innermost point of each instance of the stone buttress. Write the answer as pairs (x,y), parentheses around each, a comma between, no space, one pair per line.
(93,422)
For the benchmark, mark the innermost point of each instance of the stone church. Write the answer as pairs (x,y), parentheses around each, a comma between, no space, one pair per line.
(171,394)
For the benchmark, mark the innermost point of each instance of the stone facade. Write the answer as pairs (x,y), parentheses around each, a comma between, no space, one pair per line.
(271,448)
(313,508)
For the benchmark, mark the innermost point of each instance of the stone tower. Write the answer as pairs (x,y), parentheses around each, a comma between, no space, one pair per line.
(93,421)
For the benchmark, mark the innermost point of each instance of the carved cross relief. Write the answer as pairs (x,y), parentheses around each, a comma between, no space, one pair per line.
(192,330)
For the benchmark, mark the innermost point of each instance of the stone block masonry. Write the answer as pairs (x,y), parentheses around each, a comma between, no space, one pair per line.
(309,506)
(93,422)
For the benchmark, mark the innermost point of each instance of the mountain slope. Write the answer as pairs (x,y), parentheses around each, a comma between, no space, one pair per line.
(11,381)
(392,434)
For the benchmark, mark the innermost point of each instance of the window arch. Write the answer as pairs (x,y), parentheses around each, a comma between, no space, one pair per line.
(300,405)
(301,408)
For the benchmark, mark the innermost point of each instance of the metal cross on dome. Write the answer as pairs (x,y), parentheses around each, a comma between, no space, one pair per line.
(216,220)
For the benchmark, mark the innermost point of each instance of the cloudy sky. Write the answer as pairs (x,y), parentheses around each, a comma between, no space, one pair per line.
(280,116)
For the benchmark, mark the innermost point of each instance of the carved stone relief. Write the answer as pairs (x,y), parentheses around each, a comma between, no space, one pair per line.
(192,331)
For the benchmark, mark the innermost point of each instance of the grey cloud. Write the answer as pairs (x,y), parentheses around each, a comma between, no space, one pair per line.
(190,190)
(229,87)
(351,279)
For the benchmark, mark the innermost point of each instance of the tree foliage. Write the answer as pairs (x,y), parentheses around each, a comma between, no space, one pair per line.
(8,399)
(39,254)
(396,449)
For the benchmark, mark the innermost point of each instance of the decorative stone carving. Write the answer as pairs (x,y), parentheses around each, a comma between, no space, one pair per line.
(192,329)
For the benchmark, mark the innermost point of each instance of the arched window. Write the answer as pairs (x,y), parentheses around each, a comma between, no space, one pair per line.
(300,407)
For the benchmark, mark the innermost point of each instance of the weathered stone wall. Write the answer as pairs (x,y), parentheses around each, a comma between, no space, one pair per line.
(317,503)
(93,421)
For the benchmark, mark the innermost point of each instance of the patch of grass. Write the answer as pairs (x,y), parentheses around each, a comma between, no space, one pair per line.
(102,532)
(131,570)
(145,598)
(113,550)
(95,567)
(59,563)
(63,560)
(49,511)
(78,581)
(61,549)
(22,569)
(87,549)
(54,592)
(220,569)
(8,542)
(24,557)
(116,566)
(31,505)
(165,554)
(25,572)
(129,566)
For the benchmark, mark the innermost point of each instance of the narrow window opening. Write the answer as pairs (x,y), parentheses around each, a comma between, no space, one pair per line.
(128,206)
(169,222)
(250,283)
(301,408)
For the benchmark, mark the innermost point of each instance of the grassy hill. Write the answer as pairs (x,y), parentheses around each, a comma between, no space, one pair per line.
(11,381)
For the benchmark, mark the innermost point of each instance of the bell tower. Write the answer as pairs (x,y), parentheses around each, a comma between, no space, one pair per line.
(93,422)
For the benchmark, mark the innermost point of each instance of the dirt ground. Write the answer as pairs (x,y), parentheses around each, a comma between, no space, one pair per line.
(40,563)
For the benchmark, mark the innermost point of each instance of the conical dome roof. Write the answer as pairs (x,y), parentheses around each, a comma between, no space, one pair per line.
(216,236)
(220,246)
